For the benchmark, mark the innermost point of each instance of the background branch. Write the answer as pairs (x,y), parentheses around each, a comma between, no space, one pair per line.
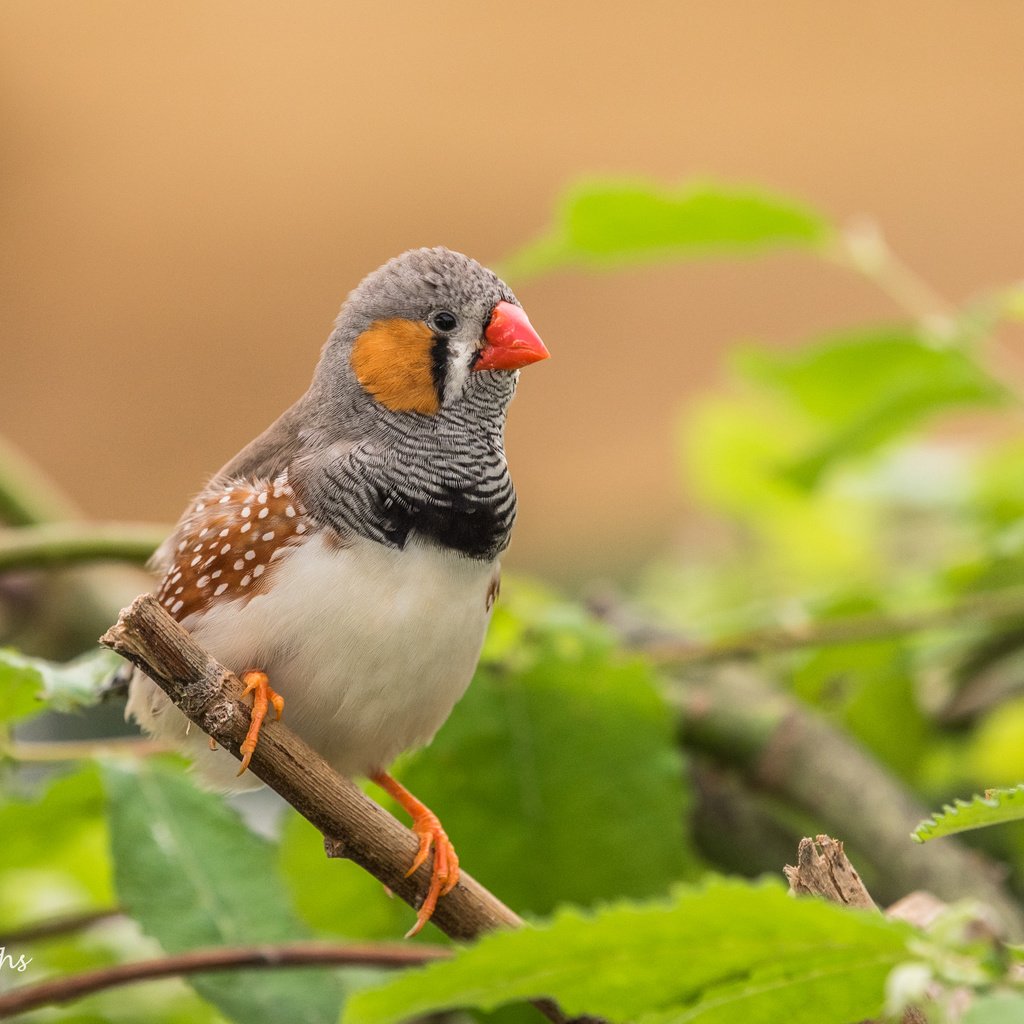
(59,615)
(784,748)
(48,545)
(196,961)
(46,752)
(27,495)
(974,610)
(54,926)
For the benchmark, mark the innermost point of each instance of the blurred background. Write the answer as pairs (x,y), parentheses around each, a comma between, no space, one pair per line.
(189,191)
(776,252)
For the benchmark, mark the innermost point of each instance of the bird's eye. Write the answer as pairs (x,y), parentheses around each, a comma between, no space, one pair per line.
(445,321)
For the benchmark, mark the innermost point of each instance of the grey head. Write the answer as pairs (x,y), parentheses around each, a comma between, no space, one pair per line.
(411,340)
(402,428)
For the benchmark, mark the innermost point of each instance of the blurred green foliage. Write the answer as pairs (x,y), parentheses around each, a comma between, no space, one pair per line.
(614,223)
(836,486)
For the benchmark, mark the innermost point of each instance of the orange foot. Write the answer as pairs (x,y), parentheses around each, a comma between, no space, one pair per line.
(258,685)
(444,873)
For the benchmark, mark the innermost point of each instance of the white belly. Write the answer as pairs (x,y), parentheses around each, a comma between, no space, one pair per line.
(369,646)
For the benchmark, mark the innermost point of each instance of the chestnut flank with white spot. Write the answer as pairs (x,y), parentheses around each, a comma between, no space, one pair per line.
(237,569)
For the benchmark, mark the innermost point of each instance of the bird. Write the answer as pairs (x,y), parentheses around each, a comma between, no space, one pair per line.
(346,561)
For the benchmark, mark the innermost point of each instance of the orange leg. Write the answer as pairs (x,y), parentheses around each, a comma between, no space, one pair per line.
(444,873)
(258,685)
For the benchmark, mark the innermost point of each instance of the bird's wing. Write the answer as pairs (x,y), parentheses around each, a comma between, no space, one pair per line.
(229,543)
(270,454)
(264,460)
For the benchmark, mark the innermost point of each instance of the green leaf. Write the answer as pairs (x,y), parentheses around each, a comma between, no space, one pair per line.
(734,449)
(995,748)
(557,778)
(193,875)
(557,775)
(21,686)
(995,807)
(997,1008)
(863,388)
(866,686)
(727,951)
(31,685)
(53,858)
(997,498)
(610,223)
(335,897)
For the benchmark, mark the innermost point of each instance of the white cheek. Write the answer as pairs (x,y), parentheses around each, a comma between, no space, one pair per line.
(460,354)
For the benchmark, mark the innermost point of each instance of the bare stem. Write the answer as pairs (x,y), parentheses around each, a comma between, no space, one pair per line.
(863,248)
(54,926)
(43,752)
(55,545)
(974,610)
(305,954)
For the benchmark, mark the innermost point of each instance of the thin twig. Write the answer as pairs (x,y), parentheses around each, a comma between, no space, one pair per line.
(54,926)
(52,545)
(47,752)
(862,247)
(974,610)
(197,961)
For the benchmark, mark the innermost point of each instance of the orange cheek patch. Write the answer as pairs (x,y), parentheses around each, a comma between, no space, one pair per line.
(392,360)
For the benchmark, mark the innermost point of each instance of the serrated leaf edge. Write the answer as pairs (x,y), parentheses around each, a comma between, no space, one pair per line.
(949,820)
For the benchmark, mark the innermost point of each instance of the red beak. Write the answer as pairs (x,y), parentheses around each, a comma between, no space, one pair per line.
(511,341)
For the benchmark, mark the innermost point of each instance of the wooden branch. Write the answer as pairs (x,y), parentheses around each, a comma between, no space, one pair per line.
(199,961)
(352,824)
(210,696)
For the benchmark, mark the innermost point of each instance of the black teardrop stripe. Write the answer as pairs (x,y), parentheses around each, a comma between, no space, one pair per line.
(439,365)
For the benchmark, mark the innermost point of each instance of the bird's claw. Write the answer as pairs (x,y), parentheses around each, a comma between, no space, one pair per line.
(264,696)
(444,872)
